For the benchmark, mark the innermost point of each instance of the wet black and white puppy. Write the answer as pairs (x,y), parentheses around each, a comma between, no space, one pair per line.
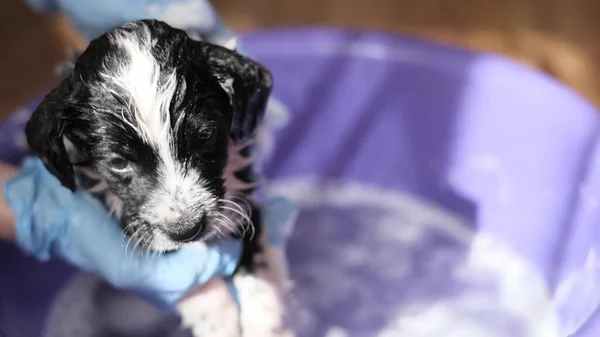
(163,121)
(153,112)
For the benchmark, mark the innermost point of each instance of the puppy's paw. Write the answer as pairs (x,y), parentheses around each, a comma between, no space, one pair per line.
(211,311)
(263,311)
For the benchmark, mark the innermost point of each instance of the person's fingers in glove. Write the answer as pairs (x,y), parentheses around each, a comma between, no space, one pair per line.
(279,217)
(92,18)
(53,222)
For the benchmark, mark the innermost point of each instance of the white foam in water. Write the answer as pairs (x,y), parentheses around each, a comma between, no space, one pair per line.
(521,294)
(500,294)
(388,277)
(578,294)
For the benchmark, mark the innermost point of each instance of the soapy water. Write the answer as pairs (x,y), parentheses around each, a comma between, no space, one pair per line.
(370,262)
(364,262)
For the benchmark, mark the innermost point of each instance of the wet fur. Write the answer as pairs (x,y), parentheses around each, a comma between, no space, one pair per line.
(180,116)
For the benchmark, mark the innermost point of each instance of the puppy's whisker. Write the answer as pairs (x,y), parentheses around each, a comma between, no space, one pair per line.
(142,252)
(147,245)
(225,222)
(224,216)
(135,241)
(237,197)
(124,231)
(129,240)
(142,245)
(220,231)
(246,211)
(229,225)
(139,249)
(242,214)
(212,235)
(246,203)
(247,225)
(232,226)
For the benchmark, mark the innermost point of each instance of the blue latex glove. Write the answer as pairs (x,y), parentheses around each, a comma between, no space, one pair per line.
(53,222)
(94,17)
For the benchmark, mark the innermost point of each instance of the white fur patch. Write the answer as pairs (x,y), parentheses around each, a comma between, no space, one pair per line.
(263,309)
(211,311)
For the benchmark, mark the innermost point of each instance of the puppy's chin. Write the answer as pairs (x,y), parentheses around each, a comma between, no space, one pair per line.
(159,243)
(142,238)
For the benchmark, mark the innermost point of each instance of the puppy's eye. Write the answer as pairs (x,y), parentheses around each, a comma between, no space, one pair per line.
(118,164)
(210,136)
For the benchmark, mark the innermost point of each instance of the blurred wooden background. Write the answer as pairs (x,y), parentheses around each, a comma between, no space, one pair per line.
(560,37)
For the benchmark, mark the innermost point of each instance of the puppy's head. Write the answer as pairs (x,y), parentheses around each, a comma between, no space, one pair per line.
(153,113)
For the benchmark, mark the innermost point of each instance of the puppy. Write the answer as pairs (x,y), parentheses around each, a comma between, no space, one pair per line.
(161,126)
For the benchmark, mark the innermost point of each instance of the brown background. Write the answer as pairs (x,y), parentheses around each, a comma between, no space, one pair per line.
(559,37)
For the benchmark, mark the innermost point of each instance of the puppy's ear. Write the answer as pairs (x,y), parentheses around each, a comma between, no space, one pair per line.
(46,128)
(247,83)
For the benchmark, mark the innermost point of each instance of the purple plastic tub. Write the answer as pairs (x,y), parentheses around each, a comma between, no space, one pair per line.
(443,193)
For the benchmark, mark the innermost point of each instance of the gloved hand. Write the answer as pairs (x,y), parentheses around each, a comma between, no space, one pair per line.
(53,222)
(92,18)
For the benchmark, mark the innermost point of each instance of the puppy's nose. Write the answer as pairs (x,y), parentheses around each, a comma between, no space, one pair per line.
(185,233)
(172,215)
